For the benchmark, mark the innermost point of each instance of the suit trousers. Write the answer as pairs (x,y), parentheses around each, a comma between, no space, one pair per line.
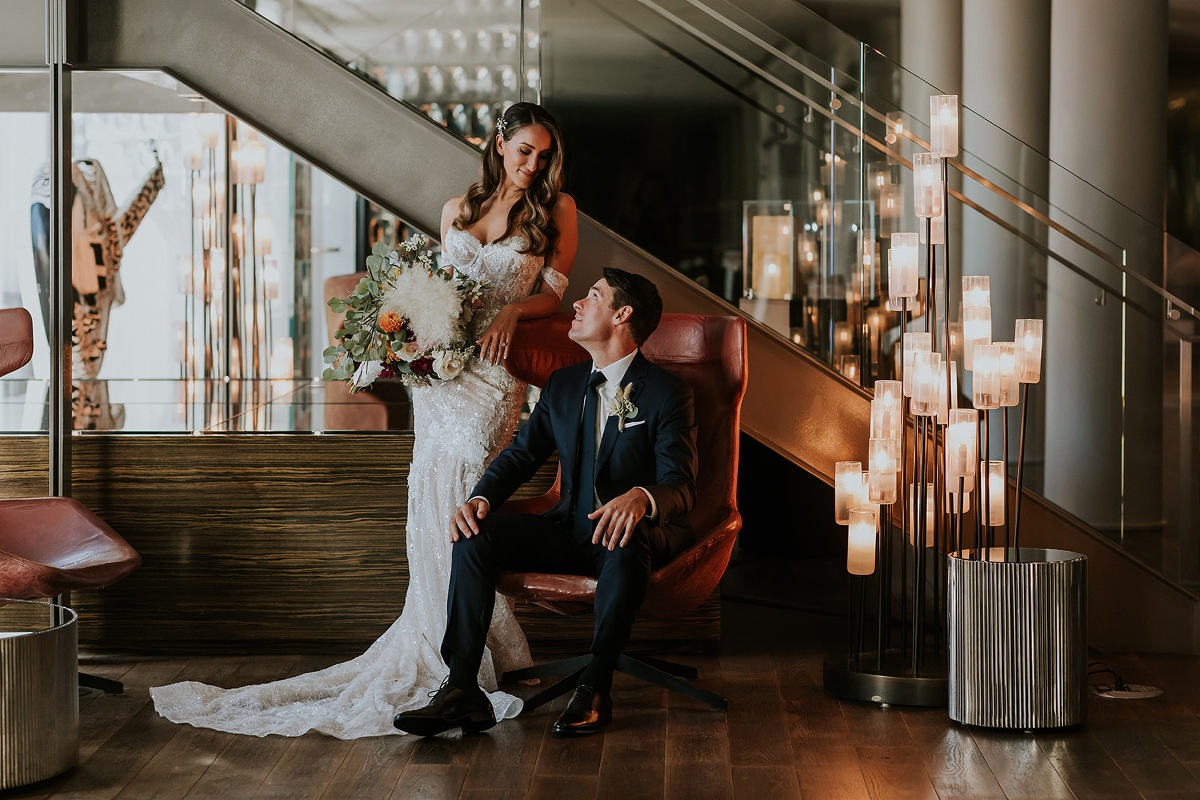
(538,543)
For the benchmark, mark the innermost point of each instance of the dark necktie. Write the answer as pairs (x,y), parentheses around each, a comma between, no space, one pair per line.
(585,467)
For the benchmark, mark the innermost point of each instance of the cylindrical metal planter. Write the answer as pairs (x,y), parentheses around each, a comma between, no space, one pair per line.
(39,694)
(1018,638)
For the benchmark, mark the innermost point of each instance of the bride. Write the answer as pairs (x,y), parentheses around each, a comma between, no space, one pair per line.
(515,230)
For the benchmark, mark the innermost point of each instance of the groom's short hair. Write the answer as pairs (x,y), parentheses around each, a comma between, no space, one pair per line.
(640,294)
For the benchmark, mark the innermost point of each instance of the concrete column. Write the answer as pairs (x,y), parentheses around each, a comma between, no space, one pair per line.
(1103,371)
(931,49)
(1006,83)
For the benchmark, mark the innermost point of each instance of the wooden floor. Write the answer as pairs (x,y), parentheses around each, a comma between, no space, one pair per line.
(781,738)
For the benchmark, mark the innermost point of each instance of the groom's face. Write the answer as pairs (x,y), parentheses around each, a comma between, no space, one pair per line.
(595,318)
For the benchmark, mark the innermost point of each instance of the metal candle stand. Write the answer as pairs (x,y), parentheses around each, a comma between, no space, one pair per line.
(908,663)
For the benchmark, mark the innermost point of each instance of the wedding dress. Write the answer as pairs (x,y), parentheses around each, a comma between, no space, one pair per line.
(460,425)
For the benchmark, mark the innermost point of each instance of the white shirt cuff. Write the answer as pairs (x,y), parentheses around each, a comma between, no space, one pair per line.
(653,507)
(485,500)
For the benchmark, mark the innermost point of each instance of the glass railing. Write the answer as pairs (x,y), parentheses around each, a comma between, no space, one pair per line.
(779,183)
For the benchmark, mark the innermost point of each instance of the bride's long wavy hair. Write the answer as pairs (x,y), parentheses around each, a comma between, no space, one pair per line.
(530,216)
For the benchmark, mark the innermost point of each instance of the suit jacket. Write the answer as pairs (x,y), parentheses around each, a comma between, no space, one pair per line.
(658,454)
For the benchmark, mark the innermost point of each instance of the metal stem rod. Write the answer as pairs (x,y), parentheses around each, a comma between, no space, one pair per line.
(1020,471)
(1004,498)
(61,417)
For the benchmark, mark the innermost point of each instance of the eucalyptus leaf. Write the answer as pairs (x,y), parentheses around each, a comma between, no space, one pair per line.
(337,305)
(330,354)
(329,374)
(380,249)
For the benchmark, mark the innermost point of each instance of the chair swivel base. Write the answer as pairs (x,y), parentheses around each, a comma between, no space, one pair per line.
(100,684)
(667,674)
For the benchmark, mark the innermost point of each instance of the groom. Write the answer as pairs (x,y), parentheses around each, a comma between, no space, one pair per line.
(625,434)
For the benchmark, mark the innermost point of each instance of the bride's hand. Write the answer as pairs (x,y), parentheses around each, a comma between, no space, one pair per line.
(493,345)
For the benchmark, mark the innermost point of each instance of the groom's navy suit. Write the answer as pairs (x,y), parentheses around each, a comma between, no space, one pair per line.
(656,451)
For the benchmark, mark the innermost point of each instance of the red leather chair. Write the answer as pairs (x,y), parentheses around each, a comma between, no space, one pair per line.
(710,354)
(50,546)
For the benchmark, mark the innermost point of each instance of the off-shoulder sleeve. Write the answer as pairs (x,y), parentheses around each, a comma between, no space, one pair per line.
(555,280)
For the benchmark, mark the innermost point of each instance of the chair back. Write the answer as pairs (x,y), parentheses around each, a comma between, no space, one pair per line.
(16,339)
(709,354)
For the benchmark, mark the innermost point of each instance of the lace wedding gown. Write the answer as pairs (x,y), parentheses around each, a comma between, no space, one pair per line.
(460,427)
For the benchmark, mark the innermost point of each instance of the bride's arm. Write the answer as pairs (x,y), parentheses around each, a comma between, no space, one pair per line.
(493,345)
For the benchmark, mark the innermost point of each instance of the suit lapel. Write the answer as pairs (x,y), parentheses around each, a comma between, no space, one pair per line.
(635,375)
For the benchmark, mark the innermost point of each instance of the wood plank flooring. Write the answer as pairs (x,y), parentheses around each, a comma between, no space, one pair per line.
(781,738)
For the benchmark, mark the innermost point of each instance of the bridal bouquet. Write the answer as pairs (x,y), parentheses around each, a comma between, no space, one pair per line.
(406,319)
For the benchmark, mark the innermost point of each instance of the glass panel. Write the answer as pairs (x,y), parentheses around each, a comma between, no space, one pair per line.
(200,305)
(24,237)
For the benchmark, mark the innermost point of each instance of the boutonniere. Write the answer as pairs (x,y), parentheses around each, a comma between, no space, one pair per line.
(623,409)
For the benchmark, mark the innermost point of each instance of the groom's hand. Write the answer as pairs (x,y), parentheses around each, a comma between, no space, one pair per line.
(618,518)
(462,522)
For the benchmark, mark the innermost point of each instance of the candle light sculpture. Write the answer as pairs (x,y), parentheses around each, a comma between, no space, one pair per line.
(883,477)
(860,542)
(902,265)
(943,124)
(977,330)
(847,490)
(927,185)
(1029,370)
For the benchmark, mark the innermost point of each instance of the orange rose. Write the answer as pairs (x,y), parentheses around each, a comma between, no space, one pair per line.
(390,322)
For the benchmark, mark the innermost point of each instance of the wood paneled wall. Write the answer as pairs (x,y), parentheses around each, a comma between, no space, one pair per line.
(253,543)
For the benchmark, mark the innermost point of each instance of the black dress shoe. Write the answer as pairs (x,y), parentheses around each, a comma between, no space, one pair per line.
(452,707)
(588,712)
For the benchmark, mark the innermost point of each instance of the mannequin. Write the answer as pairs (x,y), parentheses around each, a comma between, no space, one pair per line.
(99,231)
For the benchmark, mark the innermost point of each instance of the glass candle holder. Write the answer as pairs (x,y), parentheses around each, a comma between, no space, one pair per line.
(926,386)
(927,185)
(943,124)
(887,417)
(1009,385)
(930,514)
(962,446)
(902,265)
(937,230)
(977,330)
(995,486)
(956,342)
(848,366)
(1029,350)
(947,400)
(985,382)
(882,478)
(914,342)
(843,338)
(847,489)
(977,291)
(860,542)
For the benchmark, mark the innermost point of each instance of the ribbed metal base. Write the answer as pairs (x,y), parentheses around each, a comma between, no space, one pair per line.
(1018,638)
(39,700)
(846,682)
